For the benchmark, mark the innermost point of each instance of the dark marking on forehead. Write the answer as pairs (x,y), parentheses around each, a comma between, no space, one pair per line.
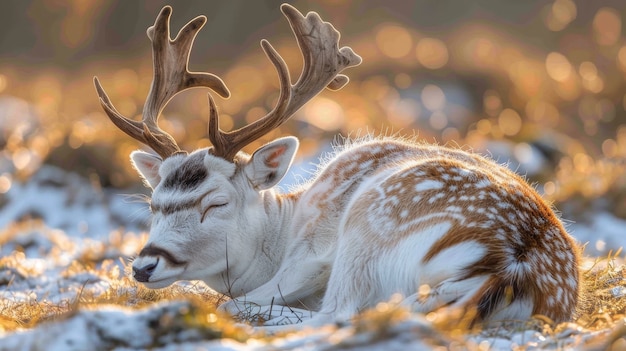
(169,208)
(175,207)
(188,176)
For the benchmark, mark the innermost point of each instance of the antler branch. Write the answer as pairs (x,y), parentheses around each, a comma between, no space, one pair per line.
(171,76)
(323,62)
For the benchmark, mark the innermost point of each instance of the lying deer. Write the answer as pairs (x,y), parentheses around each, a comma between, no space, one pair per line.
(382,216)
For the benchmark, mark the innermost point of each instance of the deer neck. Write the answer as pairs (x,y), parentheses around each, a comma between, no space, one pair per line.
(269,239)
(276,235)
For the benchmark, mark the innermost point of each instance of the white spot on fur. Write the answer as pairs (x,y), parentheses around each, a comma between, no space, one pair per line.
(483,183)
(428,185)
(453,209)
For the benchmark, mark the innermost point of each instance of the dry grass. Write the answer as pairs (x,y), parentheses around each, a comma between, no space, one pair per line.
(603,308)
(575,122)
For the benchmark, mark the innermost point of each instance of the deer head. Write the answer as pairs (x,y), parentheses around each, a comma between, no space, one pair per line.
(210,207)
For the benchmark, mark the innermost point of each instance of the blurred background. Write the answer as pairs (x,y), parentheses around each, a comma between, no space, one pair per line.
(537,84)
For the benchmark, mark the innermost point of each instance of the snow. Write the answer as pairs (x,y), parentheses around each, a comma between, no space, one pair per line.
(104,328)
(68,202)
(603,233)
(77,220)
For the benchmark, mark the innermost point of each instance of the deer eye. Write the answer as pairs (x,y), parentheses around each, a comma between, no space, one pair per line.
(211,208)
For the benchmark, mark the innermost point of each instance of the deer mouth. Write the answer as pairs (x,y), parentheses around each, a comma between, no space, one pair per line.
(155,271)
(155,251)
(160,283)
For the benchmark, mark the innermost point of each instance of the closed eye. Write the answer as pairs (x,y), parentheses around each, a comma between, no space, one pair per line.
(210,208)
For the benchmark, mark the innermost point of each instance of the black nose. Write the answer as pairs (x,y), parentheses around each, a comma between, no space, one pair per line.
(143,274)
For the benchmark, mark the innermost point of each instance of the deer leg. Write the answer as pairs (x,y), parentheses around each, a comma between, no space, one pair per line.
(450,292)
(298,282)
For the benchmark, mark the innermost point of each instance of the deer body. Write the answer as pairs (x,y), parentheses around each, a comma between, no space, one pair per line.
(382,216)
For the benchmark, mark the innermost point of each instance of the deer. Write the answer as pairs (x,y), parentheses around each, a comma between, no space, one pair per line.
(383,216)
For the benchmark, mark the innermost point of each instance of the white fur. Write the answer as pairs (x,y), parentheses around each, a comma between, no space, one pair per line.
(354,236)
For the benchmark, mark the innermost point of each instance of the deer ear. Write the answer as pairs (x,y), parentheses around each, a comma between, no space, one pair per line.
(270,162)
(147,165)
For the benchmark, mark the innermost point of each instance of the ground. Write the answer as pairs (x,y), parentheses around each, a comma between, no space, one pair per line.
(538,85)
(66,286)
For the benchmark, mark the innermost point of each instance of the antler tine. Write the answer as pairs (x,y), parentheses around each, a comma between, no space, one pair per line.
(323,61)
(171,76)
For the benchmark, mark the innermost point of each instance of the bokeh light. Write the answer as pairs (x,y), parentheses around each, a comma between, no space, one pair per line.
(607,26)
(558,67)
(560,14)
(394,41)
(551,81)
(431,53)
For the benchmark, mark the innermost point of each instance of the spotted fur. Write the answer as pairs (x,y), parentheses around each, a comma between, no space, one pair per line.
(382,216)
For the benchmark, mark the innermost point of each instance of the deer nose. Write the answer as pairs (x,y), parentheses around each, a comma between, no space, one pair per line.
(143,274)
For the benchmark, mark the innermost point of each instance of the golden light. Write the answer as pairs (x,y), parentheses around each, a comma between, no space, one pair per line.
(549,188)
(376,87)
(433,98)
(558,67)
(128,107)
(174,126)
(356,118)
(402,80)
(126,82)
(383,307)
(450,134)
(582,162)
(47,92)
(484,52)
(254,114)
(484,345)
(569,90)
(424,290)
(5,183)
(77,23)
(83,131)
(394,41)
(483,126)
(594,84)
(607,26)
(621,139)
(609,148)
(561,14)
(247,81)
(591,80)
(324,113)
(600,245)
(40,145)
(525,74)
(3,82)
(431,53)
(492,102)
(509,122)
(22,158)
(621,58)
(74,141)
(226,121)
(211,318)
(438,120)
(404,112)
(588,70)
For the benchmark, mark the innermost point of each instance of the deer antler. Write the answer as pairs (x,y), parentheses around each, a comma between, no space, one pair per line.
(323,61)
(171,76)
